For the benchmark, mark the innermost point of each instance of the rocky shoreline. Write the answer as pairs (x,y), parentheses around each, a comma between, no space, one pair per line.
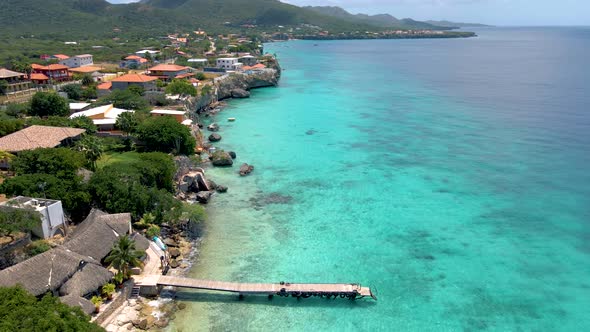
(192,186)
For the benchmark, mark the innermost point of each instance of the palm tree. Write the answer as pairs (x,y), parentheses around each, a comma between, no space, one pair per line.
(92,148)
(124,255)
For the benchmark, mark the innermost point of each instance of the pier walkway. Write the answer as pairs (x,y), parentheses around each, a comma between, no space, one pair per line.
(350,291)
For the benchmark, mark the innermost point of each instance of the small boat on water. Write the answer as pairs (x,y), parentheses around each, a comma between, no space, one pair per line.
(231,119)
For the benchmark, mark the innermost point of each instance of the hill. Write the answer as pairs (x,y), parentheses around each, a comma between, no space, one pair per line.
(450,24)
(91,18)
(380,20)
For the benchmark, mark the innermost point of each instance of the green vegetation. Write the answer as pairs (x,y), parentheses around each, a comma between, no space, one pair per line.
(124,255)
(108,290)
(181,87)
(136,186)
(109,158)
(126,99)
(61,162)
(37,247)
(21,311)
(153,230)
(51,173)
(165,134)
(92,148)
(18,220)
(97,301)
(74,91)
(49,104)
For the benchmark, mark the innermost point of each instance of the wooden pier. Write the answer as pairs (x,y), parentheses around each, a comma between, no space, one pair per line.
(285,289)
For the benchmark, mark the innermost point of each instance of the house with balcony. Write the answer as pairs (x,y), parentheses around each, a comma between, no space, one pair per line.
(15,81)
(78,61)
(168,72)
(231,64)
(53,72)
(248,60)
(50,211)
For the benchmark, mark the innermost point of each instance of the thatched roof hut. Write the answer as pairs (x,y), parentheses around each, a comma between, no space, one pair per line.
(45,272)
(86,280)
(141,242)
(97,234)
(77,301)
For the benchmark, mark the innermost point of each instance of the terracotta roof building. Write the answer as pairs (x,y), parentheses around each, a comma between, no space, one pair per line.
(148,83)
(169,72)
(54,72)
(35,137)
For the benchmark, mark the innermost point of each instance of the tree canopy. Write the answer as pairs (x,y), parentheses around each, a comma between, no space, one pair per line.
(138,187)
(71,192)
(124,255)
(18,220)
(61,162)
(49,103)
(21,311)
(181,87)
(165,134)
(126,99)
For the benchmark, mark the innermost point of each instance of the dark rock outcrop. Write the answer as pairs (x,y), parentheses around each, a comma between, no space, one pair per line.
(240,93)
(214,137)
(204,196)
(213,127)
(246,169)
(221,158)
(174,252)
(232,154)
(221,189)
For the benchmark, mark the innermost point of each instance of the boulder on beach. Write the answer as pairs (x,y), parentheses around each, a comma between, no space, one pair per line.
(240,93)
(170,242)
(246,169)
(204,196)
(174,252)
(214,137)
(232,154)
(221,158)
(174,263)
(213,127)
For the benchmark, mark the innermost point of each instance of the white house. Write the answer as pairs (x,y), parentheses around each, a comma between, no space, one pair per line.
(51,211)
(104,117)
(229,64)
(143,52)
(78,61)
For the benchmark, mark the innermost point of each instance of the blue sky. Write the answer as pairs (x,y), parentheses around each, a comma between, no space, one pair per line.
(497,12)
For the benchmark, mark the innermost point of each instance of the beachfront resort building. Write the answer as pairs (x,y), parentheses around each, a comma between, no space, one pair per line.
(73,270)
(229,64)
(51,212)
(78,61)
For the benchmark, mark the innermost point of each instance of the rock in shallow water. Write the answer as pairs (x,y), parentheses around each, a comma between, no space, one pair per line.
(221,158)
(204,196)
(214,137)
(246,169)
(213,127)
(232,154)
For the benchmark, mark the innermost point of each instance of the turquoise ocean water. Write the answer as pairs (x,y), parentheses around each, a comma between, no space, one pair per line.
(452,176)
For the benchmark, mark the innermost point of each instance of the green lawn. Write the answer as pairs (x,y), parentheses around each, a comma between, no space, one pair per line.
(109,158)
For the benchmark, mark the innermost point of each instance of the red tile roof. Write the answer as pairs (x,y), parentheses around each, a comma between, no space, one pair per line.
(133,57)
(135,78)
(39,77)
(54,66)
(61,56)
(105,86)
(184,75)
(164,67)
